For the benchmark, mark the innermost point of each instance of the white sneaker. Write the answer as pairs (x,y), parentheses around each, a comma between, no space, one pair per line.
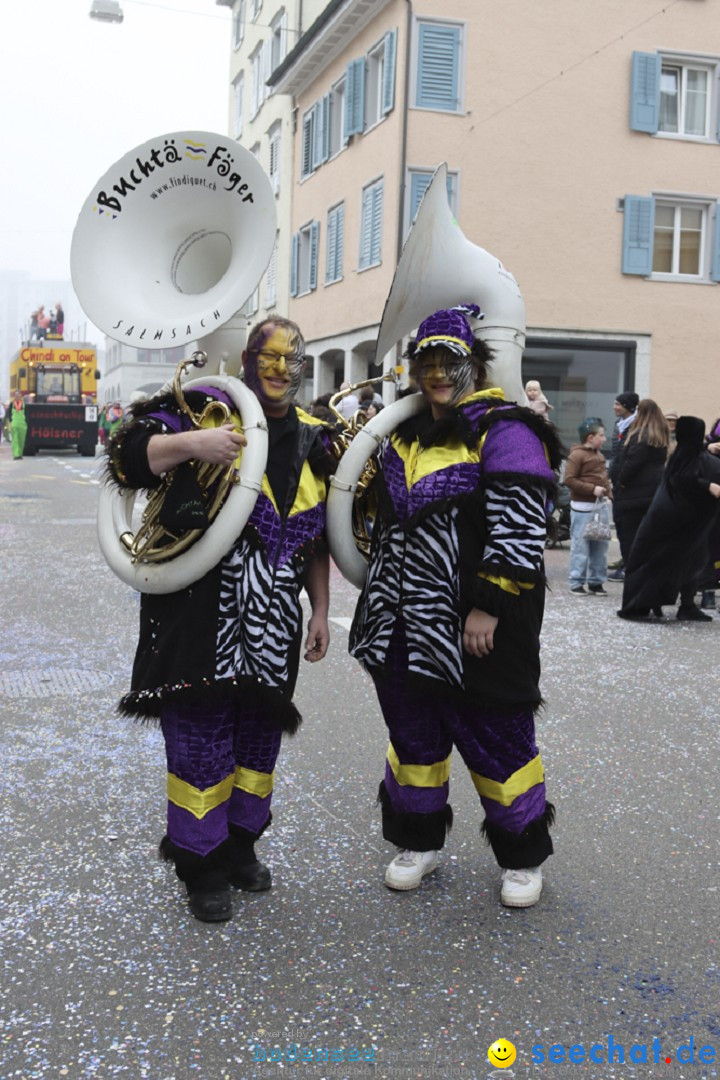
(408,868)
(521,888)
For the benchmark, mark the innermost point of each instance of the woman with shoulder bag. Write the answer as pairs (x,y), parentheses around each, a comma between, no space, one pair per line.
(587,478)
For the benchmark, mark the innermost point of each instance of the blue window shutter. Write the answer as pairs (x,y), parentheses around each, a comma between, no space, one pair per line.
(638,227)
(318,134)
(645,93)
(419,183)
(314,241)
(355,97)
(347,102)
(335,228)
(306,165)
(325,108)
(377,222)
(340,245)
(388,87)
(366,228)
(294,265)
(331,248)
(715,269)
(438,69)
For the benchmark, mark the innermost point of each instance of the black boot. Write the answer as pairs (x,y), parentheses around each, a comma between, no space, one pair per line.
(246,872)
(690,613)
(205,878)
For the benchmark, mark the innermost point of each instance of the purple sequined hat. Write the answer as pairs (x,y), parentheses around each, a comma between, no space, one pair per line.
(450,328)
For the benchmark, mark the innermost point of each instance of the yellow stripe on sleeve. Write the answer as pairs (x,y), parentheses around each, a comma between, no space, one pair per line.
(507,584)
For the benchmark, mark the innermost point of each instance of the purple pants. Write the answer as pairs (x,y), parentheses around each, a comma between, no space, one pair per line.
(499,749)
(220,759)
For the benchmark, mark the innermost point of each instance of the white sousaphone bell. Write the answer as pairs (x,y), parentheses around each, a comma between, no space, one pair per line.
(438,268)
(169,245)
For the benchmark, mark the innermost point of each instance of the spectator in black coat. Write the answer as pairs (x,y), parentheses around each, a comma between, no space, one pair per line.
(624,407)
(670,551)
(640,468)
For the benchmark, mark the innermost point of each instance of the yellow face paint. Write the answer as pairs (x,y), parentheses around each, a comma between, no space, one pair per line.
(273,372)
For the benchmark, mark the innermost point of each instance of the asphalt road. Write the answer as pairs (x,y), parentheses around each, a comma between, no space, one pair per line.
(106,974)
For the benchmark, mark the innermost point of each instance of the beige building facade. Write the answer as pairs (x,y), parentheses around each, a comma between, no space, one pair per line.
(582,143)
(263,33)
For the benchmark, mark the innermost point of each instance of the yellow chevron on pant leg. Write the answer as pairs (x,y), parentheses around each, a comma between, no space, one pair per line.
(434,775)
(255,783)
(196,801)
(516,784)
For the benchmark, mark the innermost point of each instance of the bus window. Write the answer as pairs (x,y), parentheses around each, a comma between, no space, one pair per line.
(55,384)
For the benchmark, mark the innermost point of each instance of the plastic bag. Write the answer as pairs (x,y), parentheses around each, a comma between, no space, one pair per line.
(598,527)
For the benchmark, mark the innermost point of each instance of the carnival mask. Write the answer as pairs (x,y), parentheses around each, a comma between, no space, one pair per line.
(445,379)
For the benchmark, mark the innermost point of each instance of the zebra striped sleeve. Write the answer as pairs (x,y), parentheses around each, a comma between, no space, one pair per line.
(516,525)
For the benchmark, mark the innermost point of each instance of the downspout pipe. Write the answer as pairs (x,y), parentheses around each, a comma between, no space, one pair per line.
(403,142)
(387,391)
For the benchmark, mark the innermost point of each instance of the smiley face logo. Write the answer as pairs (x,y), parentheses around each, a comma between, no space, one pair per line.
(501,1054)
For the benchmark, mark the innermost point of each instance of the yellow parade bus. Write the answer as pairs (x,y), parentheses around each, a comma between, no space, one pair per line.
(58,380)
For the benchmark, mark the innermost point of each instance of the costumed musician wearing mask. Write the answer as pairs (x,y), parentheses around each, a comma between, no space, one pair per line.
(217,662)
(448,622)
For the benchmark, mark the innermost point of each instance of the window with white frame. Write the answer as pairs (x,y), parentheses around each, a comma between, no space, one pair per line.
(255,150)
(274,148)
(684,99)
(371,225)
(379,80)
(255,7)
(679,238)
(252,303)
(303,267)
(238,23)
(278,39)
(238,93)
(257,80)
(271,277)
(438,65)
(675,95)
(336,133)
(370,86)
(335,244)
(675,238)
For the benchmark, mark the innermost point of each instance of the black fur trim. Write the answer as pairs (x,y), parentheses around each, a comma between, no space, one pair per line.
(431,432)
(280,712)
(191,867)
(517,851)
(244,837)
(320,460)
(416,832)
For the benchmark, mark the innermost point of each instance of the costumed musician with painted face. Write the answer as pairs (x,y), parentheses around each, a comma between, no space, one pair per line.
(449,619)
(217,662)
